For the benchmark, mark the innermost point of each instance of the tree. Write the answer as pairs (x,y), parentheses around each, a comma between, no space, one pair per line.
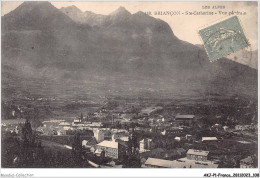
(132,156)
(81,117)
(27,145)
(255,160)
(10,152)
(77,150)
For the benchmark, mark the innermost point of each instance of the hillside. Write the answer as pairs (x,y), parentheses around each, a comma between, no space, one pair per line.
(122,54)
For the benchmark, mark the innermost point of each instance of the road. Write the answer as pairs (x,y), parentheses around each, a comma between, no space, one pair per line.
(55,146)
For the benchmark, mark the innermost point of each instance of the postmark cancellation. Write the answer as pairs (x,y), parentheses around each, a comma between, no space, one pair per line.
(223,38)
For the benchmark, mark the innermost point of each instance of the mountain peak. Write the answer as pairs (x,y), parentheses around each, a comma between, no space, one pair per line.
(36,3)
(31,15)
(121,8)
(140,13)
(32,4)
(88,13)
(72,8)
(120,11)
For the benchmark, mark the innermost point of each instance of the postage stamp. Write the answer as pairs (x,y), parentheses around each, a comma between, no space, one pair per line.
(223,38)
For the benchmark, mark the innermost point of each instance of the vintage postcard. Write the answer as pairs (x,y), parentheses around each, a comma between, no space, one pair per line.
(129,85)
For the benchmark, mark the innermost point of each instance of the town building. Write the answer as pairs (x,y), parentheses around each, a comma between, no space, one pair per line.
(67,128)
(100,114)
(158,163)
(187,163)
(178,139)
(78,120)
(194,159)
(180,163)
(184,119)
(46,130)
(112,149)
(209,139)
(240,127)
(173,131)
(216,127)
(99,135)
(188,137)
(162,153)
(146,145)
(126,116)
(246,162)
(246,127)
(63,124)
(94,125)
(125,139)
(12,122)
(225,128)
(119,135)
(125,123)
(61,132)
(12,125)
(53,121)
(198,155)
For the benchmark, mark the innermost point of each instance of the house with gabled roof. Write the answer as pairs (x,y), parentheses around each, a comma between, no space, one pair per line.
(198,155)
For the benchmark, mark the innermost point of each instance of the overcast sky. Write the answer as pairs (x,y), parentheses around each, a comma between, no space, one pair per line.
(185,27)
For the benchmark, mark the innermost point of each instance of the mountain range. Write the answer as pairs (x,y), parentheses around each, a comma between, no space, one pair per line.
(65,51)
(87,17)
(246,57)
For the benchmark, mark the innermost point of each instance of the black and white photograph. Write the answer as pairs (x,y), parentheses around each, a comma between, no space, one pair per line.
(129,85)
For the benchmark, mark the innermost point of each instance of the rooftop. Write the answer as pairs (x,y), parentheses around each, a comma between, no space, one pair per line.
(146,139)
(51,121)
(110,144)
(159,162)
(184,162)
(64,124)
(13,121)
(209,138)
(124,139)
(180,163)
(77,120)
(247,160)
(198,152)
(184,116)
